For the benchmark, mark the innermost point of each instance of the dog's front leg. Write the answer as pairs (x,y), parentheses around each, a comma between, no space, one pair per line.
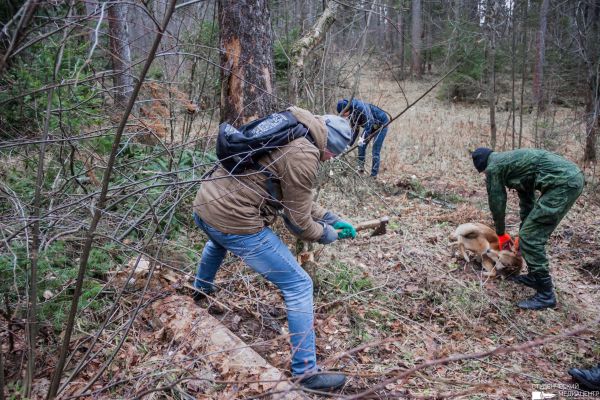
(463,252)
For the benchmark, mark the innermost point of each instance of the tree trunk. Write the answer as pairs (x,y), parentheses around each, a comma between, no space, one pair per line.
(540,42)
(428,46)
(417,39)
(305,45)
(592,48)
(401,40)
(120,53)
(389,28)
(523,71)
(491,23)
(246,44)
(378,36)
(513,62)
(593,127)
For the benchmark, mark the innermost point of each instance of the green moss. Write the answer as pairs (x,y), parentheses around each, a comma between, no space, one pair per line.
(57,271)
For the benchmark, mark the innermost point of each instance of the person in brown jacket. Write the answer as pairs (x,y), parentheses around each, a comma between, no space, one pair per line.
(236,210)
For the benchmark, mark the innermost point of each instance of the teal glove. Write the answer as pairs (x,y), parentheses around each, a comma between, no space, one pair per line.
(345,230)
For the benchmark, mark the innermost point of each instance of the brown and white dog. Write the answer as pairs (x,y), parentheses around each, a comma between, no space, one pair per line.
(481,240)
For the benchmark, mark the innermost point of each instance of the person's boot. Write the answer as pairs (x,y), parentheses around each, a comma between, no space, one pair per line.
(201,293)
(323,381)
(525,279)
(544,296)
(588,378)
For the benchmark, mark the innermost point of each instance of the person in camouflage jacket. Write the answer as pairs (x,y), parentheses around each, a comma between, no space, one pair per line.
(559,181)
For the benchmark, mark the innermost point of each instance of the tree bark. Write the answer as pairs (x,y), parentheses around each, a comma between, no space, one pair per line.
(592,51)
(417,39)
(401,40)
(305,45)
(246,44)
(593,124)
(389,28)
(428,45)
(120,53)
(523,71)
(513,62)
(491,22)
(540,41)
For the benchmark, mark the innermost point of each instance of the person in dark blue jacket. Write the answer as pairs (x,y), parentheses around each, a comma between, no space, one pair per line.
(371,118)
(589,379)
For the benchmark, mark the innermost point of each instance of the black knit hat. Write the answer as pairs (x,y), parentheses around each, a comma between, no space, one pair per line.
(480,158)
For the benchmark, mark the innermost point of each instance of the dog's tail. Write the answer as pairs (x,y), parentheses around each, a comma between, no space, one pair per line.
(468,230)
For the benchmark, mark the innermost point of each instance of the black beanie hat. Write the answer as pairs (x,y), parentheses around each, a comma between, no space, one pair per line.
(480,158)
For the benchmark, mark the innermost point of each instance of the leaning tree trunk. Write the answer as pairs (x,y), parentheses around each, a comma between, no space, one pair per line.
(120,53)
(417,39)
(246,44)
(540,41)
(304,46)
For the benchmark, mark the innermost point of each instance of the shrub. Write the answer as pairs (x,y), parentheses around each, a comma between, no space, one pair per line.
(73,106)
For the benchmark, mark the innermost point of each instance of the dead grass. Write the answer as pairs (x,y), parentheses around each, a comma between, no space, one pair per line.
(448,307)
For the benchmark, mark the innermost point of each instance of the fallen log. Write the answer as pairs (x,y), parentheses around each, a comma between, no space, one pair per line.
(182,321)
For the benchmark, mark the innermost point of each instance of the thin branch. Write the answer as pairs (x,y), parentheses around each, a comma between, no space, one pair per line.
(99,208)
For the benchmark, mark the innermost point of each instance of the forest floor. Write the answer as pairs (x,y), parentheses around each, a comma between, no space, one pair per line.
(389,303)
(408,285)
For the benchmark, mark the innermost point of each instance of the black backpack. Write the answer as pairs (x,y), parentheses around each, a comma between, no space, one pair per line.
(240,149)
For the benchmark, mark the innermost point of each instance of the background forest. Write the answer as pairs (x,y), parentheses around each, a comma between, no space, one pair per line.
(108,114)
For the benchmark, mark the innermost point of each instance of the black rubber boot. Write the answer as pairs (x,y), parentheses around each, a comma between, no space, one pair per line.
(527,280)
(323,381)
(588,378)
(544,297)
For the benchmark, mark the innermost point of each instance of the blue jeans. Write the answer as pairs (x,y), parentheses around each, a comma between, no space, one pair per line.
(266,254)
(377,144)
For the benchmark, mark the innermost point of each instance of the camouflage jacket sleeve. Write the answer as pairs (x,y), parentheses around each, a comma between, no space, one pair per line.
(496,200)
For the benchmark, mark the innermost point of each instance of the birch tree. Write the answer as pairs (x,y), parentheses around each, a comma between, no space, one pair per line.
(305,45)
